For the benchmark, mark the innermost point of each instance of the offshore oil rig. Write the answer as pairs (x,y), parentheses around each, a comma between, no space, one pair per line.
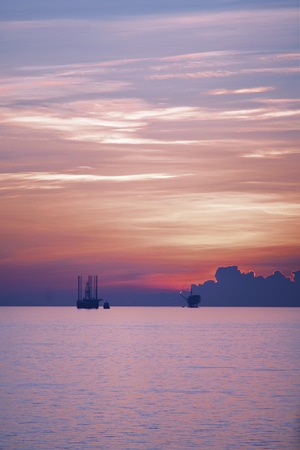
(90,299)
(192,300)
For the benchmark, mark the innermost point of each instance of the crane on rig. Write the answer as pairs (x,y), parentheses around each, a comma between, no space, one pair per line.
(192,300)
(90,300)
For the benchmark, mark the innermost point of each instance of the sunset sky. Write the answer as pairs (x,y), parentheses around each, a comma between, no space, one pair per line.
(147,142)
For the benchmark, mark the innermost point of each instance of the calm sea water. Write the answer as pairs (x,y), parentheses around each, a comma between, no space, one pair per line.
(149,378)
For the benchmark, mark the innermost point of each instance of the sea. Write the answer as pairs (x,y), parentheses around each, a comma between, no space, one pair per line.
(149,378)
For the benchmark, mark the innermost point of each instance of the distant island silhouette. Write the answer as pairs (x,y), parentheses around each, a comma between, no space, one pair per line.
(235,288)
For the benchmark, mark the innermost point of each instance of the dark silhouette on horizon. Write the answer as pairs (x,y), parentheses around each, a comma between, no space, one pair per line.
(90,299)
(231,287)
(193,300)
(235,288)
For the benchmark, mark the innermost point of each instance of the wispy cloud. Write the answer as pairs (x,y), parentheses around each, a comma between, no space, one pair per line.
(129,121)
(223,73)
(271,153)
(253,90)
(107,121)
(33,180)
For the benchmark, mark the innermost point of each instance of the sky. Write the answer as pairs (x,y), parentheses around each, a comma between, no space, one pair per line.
(148,143)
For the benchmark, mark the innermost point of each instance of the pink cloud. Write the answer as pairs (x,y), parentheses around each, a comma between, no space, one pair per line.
(253,90)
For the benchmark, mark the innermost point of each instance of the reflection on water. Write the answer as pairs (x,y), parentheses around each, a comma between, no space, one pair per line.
(149,378)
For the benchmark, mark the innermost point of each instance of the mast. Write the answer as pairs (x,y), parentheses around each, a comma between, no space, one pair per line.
(96,286)
(79,287)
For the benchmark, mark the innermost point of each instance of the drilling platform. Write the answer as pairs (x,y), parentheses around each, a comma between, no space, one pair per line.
(90,299)
(192,300)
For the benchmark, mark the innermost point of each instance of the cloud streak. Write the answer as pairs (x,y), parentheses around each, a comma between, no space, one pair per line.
(44,177)
(254,90)
(129,121)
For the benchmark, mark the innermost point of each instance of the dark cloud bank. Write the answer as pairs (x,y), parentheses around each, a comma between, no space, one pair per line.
(231,287)
(234,288)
